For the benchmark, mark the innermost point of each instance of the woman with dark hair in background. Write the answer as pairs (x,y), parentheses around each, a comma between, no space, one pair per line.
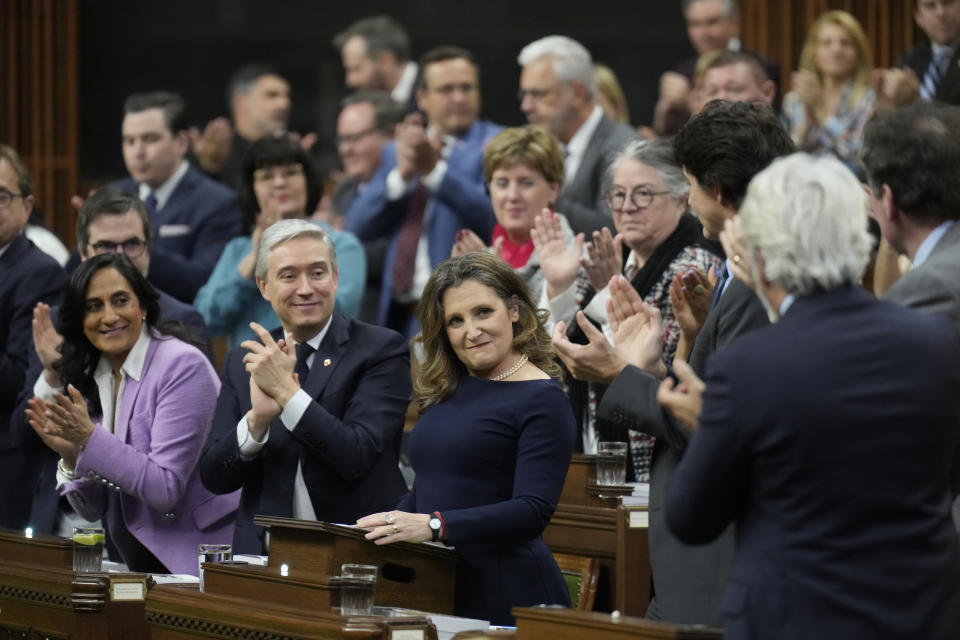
(493,443)
(277,181)
(128,406)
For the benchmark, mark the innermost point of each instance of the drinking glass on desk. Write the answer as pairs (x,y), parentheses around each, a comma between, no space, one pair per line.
(87,549)
(611,463)
(213,553)
(358,583)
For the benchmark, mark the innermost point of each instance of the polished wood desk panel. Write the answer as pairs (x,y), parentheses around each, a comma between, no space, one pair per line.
(41,596)
(567,624)
(182,612)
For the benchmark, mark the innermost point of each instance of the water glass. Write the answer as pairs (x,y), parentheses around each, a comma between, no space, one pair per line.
(213,553)
(87,549)
(611,463)
(358,583)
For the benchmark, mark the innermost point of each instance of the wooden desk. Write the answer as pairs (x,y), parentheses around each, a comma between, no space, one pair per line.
(587,523)
(566,624)
(41,597)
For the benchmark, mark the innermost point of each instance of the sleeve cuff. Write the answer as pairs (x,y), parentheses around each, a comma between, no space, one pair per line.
(396,186)
(597,309)
(249,447)
(295,408)
(42,389)
(564,306)
(433,179)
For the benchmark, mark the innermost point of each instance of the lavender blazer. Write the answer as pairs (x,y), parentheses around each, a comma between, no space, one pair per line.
(145,476)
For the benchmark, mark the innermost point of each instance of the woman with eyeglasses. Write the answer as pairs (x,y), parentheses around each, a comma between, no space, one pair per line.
(127,406)
(278,181)
(657,239)
(523,168)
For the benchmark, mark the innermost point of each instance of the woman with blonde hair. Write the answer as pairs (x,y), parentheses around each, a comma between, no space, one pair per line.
(493,443)
(610,94)
(831,98)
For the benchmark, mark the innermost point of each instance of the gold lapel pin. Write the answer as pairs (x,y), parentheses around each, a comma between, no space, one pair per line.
(326,362)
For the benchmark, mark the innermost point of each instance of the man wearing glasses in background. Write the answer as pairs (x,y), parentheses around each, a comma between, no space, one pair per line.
(429,185)
(558,92)
(27,276)
(109,221)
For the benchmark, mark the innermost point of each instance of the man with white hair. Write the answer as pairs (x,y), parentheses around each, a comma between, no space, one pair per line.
(828,437)
(558,92)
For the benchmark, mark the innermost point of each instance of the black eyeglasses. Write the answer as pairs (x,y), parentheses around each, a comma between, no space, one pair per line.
(132,248)
(6,198)
(641,198)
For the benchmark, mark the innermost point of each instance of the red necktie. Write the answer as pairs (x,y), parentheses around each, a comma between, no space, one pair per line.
(408,240)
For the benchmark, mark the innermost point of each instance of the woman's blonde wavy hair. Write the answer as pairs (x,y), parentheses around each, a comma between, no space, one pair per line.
(440,372)
(863,68)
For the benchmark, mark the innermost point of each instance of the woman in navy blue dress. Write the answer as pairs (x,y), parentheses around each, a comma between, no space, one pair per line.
(493,443)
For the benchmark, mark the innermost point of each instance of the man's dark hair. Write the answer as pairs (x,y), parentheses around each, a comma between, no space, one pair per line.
(109,201)
(728,143)
(274,151)
(729,57)
(916,151)
(380,33)
(387,113)
(245,77)
(173,107)
(441,54)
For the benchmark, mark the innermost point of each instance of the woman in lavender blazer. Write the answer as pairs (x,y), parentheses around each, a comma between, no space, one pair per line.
(128,405)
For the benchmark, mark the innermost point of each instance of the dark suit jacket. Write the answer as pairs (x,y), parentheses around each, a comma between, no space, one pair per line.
(689,581)
(461,202)
(827,437)
(42,494)
(190,232)
(27,276)
(918,59)
(348,439)
(581,198)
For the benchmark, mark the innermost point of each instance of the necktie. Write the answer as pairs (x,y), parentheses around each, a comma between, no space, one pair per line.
(404,262)
(151,202)
(935,72)
(303,352)
(718,289)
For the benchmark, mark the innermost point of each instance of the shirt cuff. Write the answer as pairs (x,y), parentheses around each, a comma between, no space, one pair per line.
(597,309)
(64,475)
(433,179)
(563,307)
(249,446)
(295,408)
(396,186)
(42,389)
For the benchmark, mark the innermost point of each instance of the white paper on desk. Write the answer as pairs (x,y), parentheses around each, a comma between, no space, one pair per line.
(174,578)
(449,626)
(249,558)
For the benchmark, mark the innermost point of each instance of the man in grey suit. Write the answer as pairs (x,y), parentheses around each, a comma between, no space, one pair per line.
(558,92)
(721,149)
(912,157)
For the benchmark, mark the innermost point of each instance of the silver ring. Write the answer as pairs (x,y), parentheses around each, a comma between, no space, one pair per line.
(388,518)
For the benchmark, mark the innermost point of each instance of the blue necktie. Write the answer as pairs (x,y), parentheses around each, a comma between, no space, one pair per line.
(718,289)
(151,202)
(935,72)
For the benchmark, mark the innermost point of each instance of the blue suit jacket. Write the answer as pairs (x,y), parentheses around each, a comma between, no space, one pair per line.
(42,495)
(828,438)
(190,232)
(27,276)
(348,439)
(461,202)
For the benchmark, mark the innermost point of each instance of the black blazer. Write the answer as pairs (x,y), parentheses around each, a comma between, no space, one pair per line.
(918,59)
(828,439)
(348,439)
(27,276)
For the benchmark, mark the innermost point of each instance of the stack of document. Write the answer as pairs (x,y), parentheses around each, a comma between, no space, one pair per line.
(640,495)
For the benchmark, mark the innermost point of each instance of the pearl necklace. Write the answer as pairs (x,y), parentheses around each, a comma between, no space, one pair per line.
(512,370)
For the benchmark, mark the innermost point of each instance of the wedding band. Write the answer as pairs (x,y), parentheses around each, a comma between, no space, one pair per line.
(736,258)
(395,530)
(699,290)
(388,518)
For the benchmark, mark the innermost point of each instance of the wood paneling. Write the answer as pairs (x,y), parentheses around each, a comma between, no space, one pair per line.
(39,118)
(778,28)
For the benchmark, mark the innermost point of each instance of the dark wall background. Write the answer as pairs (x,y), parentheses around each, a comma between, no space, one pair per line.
(192,47)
